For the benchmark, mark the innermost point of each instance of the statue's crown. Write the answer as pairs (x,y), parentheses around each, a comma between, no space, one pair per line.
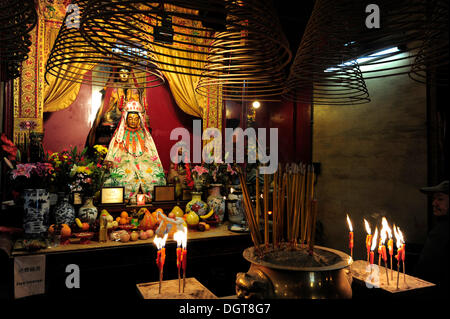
(134,106)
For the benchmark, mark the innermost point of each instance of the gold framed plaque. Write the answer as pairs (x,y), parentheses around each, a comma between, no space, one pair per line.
(112,195)
(164,193)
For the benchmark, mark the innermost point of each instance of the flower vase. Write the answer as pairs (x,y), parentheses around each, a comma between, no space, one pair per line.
(88,212)
(197,205)
(36,212)
(235,208)
(216,201)
(64,211)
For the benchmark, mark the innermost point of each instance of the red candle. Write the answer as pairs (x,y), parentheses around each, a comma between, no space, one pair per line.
(383,253)
(368,238)
(374,244)
(178,257)
(140,199)
(351,240)
(350,244)
(158,259)
(391,247)
(184,259)
(163,257)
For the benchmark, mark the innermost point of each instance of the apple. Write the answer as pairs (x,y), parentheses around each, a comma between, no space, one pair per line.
(134,236)
(125,238)
(150,233)
(143,235)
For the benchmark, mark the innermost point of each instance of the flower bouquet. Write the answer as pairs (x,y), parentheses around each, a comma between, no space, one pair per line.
(88,172)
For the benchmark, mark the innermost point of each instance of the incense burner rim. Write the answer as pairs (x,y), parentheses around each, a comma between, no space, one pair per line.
(346,261)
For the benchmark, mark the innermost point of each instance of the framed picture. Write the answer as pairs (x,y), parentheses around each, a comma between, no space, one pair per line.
(112,195)
(164,193)
(186,194)
(77,199)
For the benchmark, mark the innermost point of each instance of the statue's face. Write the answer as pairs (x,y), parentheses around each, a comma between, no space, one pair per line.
(124,75)
(133,120)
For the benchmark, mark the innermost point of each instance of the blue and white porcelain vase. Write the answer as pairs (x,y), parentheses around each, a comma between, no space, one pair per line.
(235,208)
(36,212)
(88,212)
(64,211)
(216,201)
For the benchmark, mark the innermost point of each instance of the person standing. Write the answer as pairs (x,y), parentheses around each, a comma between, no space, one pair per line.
(433,264)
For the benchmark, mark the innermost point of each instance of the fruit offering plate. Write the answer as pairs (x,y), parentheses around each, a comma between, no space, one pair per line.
(85,237)
(128,227)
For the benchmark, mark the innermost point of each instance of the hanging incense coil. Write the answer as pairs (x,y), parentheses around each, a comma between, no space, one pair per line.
(433,56)
(204,36)
(248,59)
(323,70)
(17,19)
(72,56)
(176,34)
(389,49)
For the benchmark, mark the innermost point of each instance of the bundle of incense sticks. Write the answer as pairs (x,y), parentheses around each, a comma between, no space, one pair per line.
(294,207)
(249,212)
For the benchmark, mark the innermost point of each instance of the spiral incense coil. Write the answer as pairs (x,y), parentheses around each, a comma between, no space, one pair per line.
(323,70)
(248,59)
(205,33)
(72,55)
(390,49)
(178,30)
(17,19)
(433,56)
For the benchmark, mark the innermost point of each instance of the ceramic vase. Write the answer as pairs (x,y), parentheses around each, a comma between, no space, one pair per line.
(36,212)
(64,211)
(197,205)
(88,212)
(235,208)
(216,201)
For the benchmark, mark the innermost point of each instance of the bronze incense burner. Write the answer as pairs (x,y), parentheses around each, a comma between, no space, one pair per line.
(289,273)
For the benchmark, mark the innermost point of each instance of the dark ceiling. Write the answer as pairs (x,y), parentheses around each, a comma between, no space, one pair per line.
(294,15)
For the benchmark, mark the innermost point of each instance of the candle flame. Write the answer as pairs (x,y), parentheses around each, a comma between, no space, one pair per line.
(368,230)
(383,235)
(184,238)
(178,237)
(160,242)
(385,224)
(349,223)
(398,236)
(374,240)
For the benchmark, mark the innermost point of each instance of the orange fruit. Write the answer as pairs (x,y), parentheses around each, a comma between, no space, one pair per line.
(85,227)
(124,214)
(123,221)
(66,231)
(118,219)
(51,229)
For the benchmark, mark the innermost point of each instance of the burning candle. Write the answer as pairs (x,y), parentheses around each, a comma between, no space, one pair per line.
(390,243)
(140,199)
(372,247)
(160,256)
(368,238)
(382,248)
(400,252)
(184,256)
(350,244)
(178,236)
